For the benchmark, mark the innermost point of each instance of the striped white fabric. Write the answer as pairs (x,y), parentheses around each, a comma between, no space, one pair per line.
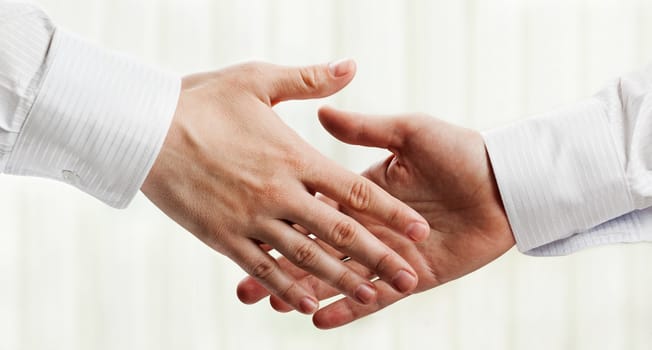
(580,176)
(70,111)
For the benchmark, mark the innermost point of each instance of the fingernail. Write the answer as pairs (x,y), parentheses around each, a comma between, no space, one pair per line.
(404,281)
(365,293)
(308,305)
(417,231)
(341,68)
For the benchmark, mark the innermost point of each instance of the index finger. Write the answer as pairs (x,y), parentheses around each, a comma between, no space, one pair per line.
(363,196)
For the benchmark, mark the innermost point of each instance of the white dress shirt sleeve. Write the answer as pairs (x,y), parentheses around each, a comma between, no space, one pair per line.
(579,176)
(73,112)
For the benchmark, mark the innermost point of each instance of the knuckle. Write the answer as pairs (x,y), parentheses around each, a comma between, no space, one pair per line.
(416,123)
(360,195)
(263,270)
(394,215)
(296,160)
(248,75)
(343,235)
(315,284)
(408,124)
(405,126)
(383,263)
(252,66)
(309,78)
(344,278)
(271,190)
(306,255)
(419,117)
(230,88)
(286,293)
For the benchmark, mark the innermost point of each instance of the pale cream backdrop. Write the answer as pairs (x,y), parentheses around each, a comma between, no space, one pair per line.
(75,274)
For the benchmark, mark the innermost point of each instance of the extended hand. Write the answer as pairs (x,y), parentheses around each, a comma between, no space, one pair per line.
(233,174)
(440,170)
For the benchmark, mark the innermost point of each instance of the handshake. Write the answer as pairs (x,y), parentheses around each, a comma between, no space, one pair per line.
(232,173)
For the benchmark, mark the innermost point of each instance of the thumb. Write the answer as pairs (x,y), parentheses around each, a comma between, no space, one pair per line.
(297,83)
(360,129)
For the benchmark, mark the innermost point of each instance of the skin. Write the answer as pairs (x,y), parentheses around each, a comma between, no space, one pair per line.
(233,174)
(441,170)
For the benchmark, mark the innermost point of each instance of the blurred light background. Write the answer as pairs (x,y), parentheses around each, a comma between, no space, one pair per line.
(75,274)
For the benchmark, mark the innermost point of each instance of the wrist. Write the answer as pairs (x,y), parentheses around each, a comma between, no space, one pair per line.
(500,212)
(172,149)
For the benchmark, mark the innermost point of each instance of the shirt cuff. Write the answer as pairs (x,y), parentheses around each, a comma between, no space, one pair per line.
(97,123)
(559,174)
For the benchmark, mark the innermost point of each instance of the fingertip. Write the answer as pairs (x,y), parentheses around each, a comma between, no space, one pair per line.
(325,113)
(336,123)
(418,231)
(308,305)
(249,291)
(279,305)
(322,321)
(342,68)
(319,322)
(324,109)
(333,316)
(366,293)
(405,281)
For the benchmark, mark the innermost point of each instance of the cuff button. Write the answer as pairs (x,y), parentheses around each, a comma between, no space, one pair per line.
(70,177)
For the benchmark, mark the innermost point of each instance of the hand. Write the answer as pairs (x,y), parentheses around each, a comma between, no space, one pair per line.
(232,173)
(442,171)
